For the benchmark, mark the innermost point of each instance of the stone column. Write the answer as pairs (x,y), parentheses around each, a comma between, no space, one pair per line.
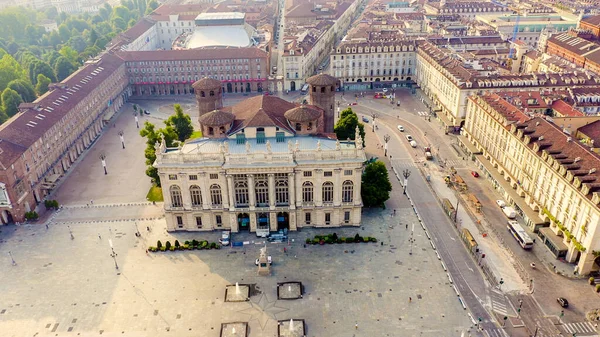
(298,189)
(205,189)
(251,192)
(230,189)
(318,188)
(272,191)
(273,221)
(292,191)
(337,189)
(571,253)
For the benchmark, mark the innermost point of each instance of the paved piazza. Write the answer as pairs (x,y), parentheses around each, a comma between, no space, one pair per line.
(70,287)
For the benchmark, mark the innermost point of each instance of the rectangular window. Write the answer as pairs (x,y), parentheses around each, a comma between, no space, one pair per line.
(307,219)
(260,137)
(347,172)
(240,138)
(280,137)
(172,177)
(214,176)
(347,217)
(199,221)
(327,218)
(193,177)
(328,174)
(218,220)
(179,221)
(307,173)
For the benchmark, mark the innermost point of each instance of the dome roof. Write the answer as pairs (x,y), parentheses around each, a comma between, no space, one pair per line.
(216,118)
(302,113)
(206,84)
(321,80)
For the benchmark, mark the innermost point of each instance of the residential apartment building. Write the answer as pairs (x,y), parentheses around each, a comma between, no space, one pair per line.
(551,179)
(576,47)
(265,165)
(448,81)
(307,43)
(172,72)
(592,24)
(372,64)
(41,142)
(468,9)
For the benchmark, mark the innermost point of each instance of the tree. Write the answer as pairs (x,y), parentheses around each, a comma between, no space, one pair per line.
(376,185)
(152,5)
(78,43)
(63,68)
(345,128)
(181,123)
(10,70)
(153,136)
(42,68)
(119,23)
(10,101)
(71,54)
(42,84)
(23,88)
(64,32)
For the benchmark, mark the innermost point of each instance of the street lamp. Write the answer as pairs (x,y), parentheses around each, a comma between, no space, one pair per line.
(374,115)
(386,139)
(113,254)
(103,159)
(12,258)
(122,139)
(406,174)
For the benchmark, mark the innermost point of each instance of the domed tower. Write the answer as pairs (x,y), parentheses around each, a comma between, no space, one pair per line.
(216,123)
(305,119)
(209,94)
(322,94)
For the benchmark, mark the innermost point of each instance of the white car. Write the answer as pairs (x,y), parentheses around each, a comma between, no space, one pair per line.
(413,143)
(400,128)
(501,203)
(384,90)
(409,138)
(224,240)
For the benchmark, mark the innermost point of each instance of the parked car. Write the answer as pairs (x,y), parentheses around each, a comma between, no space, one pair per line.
(146,112)
(365,119)
(400,128)
(509,212)
(563,302)
(409,138)
(500,203)
(413,143)
(353,103)
(384,89)
(475,174)
(224,240)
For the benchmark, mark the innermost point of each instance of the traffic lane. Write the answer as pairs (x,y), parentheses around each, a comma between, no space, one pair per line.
(463,269)
(533,317)
(548,285)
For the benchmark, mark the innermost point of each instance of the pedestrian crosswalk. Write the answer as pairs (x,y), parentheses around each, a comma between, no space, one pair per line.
(580,328)
(499,303)
(423,113)
(403,163)
(496,333)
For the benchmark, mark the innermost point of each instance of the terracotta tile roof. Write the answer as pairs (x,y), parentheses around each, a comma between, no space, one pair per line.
(322,80)
(206,83)
(524,99)
(192,54)
(592,20)
(565,110)
(10,152)
(303,113)
(592,131)
(262,111)
(505,108)
(36,118)
(216,118)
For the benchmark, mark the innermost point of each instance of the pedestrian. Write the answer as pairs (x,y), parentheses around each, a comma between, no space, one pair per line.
(409,299)
(390,157)
(356,326)
(285,250)
(394,212)
(146,251)
(91,202)
(47,226)
(99,237)
(406,226)
(109,230)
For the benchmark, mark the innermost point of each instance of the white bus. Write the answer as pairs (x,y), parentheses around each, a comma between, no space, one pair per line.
(520,235)
(304,89)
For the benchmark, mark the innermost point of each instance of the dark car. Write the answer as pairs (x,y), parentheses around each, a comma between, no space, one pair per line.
(563,302)
(474,174)
(365,119)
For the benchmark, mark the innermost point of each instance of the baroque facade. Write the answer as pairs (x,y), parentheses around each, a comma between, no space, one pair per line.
(263,164)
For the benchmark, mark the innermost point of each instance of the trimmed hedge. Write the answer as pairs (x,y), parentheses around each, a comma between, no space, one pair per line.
(333,238)
(188,245)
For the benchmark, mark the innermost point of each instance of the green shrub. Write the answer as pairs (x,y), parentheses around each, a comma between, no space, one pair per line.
(328,240)
(357,238)
(342,240)
(186,246)
(315,241)
(204,245)
(55,204)
(591,280)
(162,249)
(213,245)
(319,237)
(177,243)
(195,242)
(349,240)
(48,204)
(152,249)
(334,236)
(159,244)
(168,245)
(308,241)
(171,248)
(31,215)
(186,242)
(366,239)
(373,239)
(598,288)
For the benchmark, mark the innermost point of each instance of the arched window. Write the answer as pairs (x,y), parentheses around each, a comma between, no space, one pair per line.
(262,190)
(282,191)
(241,194)
(196,195)
(216,197)
(328,192)
(307,192)
(176,200)
(347,191)
(211,131)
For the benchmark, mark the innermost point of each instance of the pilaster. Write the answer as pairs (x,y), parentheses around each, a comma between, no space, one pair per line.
(337,188)
(292,190)
(230,189)
(252,194)
(318,188)
(205,190)
(273,221)
(271,191)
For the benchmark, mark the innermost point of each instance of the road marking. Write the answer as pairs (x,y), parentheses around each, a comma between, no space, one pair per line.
(496,333)
(453,239)
(471,269)
(579,327)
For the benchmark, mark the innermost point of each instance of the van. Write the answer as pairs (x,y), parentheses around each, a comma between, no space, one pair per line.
(413,143)
(509,212)
(400,128)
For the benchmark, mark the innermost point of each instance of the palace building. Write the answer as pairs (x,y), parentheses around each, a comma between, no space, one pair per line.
(263,164)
